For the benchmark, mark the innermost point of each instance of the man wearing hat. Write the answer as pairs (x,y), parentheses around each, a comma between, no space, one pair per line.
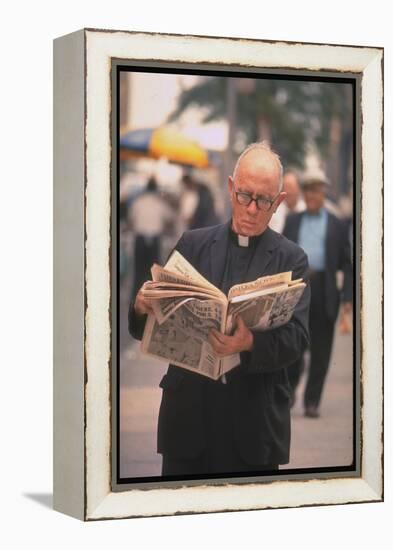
(325,240)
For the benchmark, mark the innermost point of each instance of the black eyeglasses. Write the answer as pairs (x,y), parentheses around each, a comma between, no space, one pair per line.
(263,203)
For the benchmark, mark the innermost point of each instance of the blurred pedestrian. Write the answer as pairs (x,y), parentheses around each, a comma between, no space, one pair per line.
(325,240)
(345,320)
(293,202)
(149,215)
(197,204)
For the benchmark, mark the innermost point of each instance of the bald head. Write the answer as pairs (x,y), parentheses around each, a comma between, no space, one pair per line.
(255,189)
(258,158)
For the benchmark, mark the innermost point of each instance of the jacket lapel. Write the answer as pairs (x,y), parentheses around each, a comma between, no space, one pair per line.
(296,228)
(259,265)
(218,254)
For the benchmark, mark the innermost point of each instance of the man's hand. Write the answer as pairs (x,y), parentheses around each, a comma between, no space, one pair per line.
(241,340)
(142,305)
(345,321)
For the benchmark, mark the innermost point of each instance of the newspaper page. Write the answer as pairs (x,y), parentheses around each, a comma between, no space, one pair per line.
(268,281)
(158,294)
(284,304)
(265,311)
(182,338)
(162,275)
(179,265)
(229,362)
(186,307)
(158,287)
(255,312)
(164,307)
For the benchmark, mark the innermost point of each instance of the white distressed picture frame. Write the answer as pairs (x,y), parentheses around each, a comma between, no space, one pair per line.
(82,255)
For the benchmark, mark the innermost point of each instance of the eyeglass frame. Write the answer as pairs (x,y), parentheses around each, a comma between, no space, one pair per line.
(249,195)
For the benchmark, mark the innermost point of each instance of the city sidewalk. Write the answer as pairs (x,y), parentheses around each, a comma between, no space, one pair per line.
(326,441)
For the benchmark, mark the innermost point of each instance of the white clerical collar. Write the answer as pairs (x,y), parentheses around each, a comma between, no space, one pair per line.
(243,241)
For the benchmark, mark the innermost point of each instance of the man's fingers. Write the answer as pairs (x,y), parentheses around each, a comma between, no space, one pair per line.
(239,322)
(244,334)
(213,339)
(240,325)
(219,335)
(216,344)
(142,305)
(148,308)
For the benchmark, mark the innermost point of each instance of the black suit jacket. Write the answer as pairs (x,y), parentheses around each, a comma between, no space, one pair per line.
(338,258)
(259,389)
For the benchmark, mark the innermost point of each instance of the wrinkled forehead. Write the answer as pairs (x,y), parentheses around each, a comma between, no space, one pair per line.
(259,172)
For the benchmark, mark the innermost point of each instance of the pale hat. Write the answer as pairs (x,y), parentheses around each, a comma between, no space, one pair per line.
(316,175)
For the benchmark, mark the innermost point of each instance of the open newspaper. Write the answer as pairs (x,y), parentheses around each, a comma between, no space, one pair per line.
(187,306)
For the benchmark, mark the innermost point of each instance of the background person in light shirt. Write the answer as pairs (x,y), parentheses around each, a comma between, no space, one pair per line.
(324,238)
(148,217)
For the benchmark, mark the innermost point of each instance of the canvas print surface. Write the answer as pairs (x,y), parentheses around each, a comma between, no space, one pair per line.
(180,134)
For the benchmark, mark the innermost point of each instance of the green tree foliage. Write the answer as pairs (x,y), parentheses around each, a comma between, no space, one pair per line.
(289,113)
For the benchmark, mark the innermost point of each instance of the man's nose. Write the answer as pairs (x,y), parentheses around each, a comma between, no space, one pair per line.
(252,207)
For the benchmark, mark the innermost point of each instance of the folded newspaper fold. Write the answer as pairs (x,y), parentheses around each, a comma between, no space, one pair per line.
(186,307)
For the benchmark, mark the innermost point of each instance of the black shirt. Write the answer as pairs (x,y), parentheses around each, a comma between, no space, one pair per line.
(238,259)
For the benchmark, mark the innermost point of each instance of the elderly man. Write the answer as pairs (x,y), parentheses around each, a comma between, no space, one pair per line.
(325,240)
(241,423)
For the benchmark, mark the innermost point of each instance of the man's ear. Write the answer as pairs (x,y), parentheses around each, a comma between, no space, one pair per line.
(279,200)
(230,184)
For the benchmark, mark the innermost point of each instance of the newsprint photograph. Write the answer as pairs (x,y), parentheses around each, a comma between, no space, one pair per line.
(235,265)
